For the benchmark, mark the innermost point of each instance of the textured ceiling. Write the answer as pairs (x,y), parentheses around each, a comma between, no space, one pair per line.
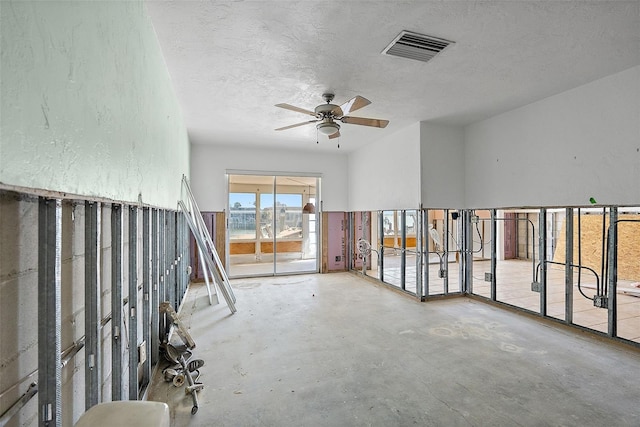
(231,61)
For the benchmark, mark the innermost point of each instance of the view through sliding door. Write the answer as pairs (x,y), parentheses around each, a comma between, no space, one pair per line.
(272,225)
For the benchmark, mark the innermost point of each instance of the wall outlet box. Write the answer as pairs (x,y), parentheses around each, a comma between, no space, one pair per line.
(142,352)
(442,274)
(487,277)
(600,301)
(536,287)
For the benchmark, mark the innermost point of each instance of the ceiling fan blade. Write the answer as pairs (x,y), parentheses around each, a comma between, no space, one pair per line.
(334,135)
(365,122)
(296,109)
(354,104)
(337,112)
(296,125)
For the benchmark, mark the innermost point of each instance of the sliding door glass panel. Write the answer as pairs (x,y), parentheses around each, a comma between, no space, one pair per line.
(242,230)
(295,232)
(628,289)
(242,216)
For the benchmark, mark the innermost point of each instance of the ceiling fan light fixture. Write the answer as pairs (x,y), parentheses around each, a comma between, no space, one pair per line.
(328,127)
(309,208)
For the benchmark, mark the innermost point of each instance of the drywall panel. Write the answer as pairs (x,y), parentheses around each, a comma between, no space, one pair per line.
(442,165)
(209,164)
(560,151)
(386,174)
(87,103)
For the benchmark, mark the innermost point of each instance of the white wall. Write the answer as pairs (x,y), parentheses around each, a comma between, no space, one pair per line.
(386,174)
(87,103)
(561,150)
(209,164)
(442,165)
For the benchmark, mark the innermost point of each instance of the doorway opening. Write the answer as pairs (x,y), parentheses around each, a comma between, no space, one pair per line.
(272,225)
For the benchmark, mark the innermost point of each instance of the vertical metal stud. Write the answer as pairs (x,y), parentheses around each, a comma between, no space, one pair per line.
(167,259)
(403,249)
(155,304)
(381,245)
(424,218)
(612,253)
(133,303)
(174,258)
(568,270)
(467,285)
(49,309)
(184,256)
(420,253)
(494,253)
(91,294)
(162,271)
(350,243)
(116,302)
(179,278)
(146,295)
(446,251)
(542,236)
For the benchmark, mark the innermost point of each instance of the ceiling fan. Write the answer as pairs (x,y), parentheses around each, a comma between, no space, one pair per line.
(327,115)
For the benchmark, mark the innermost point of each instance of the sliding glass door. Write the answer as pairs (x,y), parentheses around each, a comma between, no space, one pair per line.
(272,227)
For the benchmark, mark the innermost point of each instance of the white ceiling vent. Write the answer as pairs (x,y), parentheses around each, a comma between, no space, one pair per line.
(416,46)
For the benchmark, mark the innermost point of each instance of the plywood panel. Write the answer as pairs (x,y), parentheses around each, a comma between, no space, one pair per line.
(283,246)
(242,248)
(591,233)
(389,242)
(220,235)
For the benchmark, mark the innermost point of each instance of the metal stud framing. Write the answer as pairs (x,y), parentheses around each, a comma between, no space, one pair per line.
(133,303)
(494,257)
(612,252)
(91,295)
(465,227)
(155,316)
(380,245)
(49,309)
(542,240)
(568,272)
(446,251)
(116,302)
(169,244)
(420,253)
(424,219)
(468,253)
(146,295)
(403,249)
(162,270)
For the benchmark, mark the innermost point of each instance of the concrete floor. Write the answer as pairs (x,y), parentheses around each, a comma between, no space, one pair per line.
(337,350)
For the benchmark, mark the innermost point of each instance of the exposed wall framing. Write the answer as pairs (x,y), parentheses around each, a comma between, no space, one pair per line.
(97,272)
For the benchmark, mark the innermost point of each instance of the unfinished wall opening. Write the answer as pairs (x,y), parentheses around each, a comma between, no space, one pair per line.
(480,252)
(99,339)
(443,246)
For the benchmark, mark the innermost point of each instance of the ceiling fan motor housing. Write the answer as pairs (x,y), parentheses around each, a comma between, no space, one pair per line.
(325,110)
